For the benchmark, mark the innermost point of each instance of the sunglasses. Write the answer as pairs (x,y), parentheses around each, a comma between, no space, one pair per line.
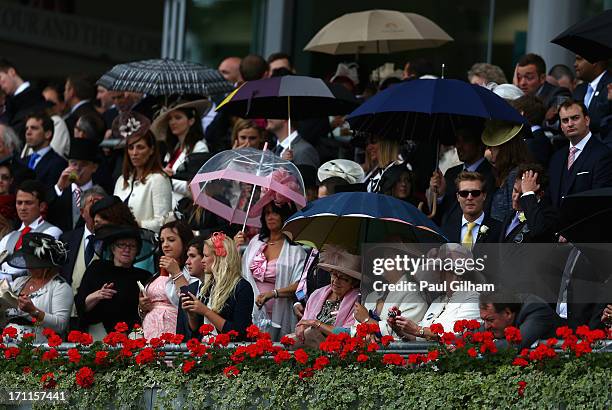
(475,193)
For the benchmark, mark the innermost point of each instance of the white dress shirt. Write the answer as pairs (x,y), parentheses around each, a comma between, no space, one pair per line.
(580,146)
(286,143)
(593,84)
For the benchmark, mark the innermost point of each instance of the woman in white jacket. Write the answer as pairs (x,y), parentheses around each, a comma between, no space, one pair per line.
(180,126)
(143,185)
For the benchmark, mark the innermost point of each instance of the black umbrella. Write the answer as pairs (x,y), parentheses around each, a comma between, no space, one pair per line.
(591,38)
(165,77)
(586,217)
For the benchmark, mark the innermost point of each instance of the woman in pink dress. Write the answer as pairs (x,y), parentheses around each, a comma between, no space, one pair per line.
(159,305)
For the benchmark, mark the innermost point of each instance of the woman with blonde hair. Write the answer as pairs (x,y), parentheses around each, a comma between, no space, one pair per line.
(247,134)
(225,299)
(387,155)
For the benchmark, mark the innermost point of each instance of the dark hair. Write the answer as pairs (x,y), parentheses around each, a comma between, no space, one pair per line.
(511,154)
(253,67)
(542,178)
(118,214)
(285,210)
(153,164)
(47,122)
(34,187)
(471,176)
(184,232)
(194,134)
(198,243)
(331,183)
(84,88)
(280,56)
(6,65)
(500,301)
(567,104)
(534,59)
(532,107)
(561,70)
(389,82)
(421,66)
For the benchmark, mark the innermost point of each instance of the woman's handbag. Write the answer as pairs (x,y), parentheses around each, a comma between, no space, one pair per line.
(8,299)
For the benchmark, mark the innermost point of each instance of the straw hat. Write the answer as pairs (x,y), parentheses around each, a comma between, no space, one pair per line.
(498,132)
(336,258)
(160,125)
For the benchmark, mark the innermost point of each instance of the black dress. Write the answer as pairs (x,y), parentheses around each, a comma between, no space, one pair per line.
(123,307)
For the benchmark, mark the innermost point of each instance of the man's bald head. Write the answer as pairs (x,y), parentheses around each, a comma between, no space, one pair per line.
(230,69)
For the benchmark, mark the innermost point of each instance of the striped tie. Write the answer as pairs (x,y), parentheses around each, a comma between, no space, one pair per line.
(571,157)
(77,197)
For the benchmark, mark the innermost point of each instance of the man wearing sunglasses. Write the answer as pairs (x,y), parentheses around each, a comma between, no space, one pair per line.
(472,225)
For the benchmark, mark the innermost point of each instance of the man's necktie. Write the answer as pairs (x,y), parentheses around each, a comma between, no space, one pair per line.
(77,196)
(468,238)
(589,95)
(32,161)
(89,249)
(571,157)
(21,235)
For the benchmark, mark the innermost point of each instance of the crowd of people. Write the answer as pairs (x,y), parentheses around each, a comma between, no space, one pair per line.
(90,177)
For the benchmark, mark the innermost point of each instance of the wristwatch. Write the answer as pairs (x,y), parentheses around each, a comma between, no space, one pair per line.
(421,332)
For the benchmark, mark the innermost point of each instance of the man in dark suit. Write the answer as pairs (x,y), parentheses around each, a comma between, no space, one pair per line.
(472,225)
(21,98)
(79,95)
(532,315)
(46,163)
(593,92)
(531,219)
(585,164)
(470,151)
(66,196)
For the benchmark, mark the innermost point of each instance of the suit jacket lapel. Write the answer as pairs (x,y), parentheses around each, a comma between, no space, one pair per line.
(582,158)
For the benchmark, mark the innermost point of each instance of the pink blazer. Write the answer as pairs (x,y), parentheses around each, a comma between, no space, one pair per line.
(345,313)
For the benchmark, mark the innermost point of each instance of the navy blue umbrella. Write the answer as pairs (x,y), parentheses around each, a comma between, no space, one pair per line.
(353,218)
(420,105)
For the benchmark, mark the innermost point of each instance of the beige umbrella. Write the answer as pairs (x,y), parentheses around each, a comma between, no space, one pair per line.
(377,32)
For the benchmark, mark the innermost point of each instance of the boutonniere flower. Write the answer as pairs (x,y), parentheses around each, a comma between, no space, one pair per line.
(521,217)
(484,229)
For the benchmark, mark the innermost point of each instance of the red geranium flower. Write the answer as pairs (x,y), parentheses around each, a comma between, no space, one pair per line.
(512,334)
(433,355)
(362,358)
(472,352)
(252,332)
(300,356)
(564,332)
(27,369)
(9,331)
(287,341)
(54,341)
(188,365)
(436,328)
(306,373)
(385,340)
(74,356)
(206,329)
(121,327)
(28,335)
(146,355)
(519,361)
(47,332)
(48,380)
(282,356)
(11,352)
(231,371)
(101,357)
(364,329)
(49,355)
(320,362)
(85,377)
(521,388)
(394,359)
(373,347)
(447,338)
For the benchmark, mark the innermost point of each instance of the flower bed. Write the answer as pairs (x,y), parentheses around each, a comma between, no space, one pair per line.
(466,369)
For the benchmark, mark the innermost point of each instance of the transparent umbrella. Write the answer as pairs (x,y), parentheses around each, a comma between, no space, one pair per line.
(238,184)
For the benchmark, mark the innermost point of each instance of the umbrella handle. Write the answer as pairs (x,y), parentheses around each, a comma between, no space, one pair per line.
(434,205)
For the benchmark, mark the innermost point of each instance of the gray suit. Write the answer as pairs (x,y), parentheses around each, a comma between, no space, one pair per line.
(304,153)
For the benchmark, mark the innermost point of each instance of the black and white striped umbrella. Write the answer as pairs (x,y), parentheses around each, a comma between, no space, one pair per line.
(165,77)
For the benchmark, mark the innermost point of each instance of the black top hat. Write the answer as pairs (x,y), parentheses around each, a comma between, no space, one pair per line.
(107,234)
(39,250)
(188,169)
(104,203)
(83,149)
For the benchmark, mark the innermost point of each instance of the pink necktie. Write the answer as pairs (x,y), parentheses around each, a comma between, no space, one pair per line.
(571,157)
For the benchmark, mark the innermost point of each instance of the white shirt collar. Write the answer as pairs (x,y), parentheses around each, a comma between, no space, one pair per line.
(22,87)
(478,220)
(534,128)
(582,142)
(595,82)
(86,232)
(77,105)
(286,143)
(33,225)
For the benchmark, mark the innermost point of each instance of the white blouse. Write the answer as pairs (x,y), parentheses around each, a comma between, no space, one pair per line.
(445,311)
(150,202)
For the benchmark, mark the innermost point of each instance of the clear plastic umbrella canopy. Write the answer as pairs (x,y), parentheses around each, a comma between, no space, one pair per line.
(238,184)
